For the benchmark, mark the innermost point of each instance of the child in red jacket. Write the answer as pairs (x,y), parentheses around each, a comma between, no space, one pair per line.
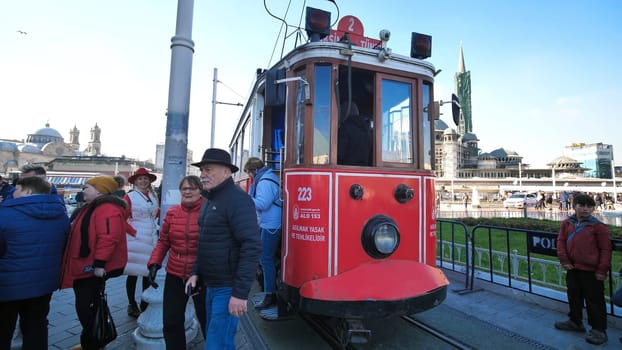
(584,251)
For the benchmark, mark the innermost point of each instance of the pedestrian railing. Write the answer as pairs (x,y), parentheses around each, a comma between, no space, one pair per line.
(515,258)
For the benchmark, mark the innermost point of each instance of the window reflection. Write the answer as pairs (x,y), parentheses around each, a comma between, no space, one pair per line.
(321,115)
(396,122)
(299,123)
(427,123)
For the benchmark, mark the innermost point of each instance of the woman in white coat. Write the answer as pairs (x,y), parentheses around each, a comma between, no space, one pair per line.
(144,212)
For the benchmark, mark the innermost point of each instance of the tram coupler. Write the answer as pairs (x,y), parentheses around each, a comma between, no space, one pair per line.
(355,332)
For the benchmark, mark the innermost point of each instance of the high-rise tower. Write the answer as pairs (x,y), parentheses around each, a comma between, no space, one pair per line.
(463,90)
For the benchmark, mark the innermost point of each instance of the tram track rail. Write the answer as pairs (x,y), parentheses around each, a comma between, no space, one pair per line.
(326,332)
(330,334)
(457,344)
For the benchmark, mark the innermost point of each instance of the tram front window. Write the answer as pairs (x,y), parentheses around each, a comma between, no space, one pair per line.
(396,122)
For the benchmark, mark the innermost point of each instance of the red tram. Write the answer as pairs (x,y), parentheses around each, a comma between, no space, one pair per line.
(359,226)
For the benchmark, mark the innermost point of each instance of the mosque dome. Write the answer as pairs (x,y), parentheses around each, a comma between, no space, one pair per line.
(47,131)
(8,146)
(44,135)
(29,148)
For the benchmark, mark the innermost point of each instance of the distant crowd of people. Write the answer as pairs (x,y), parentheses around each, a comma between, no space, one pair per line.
(563,200)
(215,238)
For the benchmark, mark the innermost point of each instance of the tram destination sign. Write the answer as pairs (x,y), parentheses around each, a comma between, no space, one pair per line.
(354,27)
(542,243)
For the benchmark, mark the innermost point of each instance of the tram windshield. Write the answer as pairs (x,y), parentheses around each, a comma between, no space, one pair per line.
(396,125)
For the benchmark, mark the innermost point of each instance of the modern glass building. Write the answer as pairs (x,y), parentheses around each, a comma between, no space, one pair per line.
(596,157)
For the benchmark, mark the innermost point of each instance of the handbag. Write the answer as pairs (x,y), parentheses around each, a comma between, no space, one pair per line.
(100,329)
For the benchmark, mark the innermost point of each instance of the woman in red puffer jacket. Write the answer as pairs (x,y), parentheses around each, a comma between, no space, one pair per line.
(179,235)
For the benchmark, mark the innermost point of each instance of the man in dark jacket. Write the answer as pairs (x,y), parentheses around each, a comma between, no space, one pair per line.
(229,248)
(354,141)
(33,227)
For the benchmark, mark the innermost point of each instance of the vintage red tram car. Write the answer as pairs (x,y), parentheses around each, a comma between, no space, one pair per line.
(359,226)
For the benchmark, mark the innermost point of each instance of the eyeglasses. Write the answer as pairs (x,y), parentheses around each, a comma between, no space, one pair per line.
(189,189)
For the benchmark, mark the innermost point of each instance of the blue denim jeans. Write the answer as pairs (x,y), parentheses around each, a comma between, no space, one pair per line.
(221,325)
(270,239)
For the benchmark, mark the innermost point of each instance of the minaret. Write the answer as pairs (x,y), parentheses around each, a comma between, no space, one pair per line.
(463,90)
(95,145)
(74,138)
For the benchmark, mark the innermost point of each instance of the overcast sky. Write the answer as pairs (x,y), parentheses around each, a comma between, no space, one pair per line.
(544,74)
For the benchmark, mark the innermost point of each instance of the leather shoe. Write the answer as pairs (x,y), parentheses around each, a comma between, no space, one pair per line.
(268,300)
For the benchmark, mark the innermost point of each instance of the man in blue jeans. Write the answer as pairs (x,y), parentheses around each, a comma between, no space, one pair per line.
(229,248)
(265,192)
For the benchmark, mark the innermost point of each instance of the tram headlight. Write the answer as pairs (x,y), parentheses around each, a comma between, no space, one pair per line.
(380,237)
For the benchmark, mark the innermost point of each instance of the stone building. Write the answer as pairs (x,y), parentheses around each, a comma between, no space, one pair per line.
(68,165)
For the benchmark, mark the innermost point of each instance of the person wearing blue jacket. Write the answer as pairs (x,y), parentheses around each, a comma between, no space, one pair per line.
(265,192)
(33,229)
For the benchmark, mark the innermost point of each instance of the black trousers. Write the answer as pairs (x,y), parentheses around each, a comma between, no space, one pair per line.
(582,286)
(85,291)
(174,308)
(33,322)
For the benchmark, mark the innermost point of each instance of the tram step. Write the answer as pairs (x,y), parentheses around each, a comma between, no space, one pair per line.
(356,333)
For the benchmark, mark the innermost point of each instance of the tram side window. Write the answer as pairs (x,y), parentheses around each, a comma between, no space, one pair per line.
(299,124)
(427,127)
(397,143)
(244,148)
(321,114)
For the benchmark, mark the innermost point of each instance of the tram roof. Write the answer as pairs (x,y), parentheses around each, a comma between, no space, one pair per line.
(363,55)
(327,49)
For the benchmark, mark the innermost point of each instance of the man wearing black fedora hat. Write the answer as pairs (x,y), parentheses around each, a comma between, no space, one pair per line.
(229,248)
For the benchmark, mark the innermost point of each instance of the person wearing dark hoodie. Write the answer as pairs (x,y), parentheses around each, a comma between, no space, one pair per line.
(33,228)
(96,247)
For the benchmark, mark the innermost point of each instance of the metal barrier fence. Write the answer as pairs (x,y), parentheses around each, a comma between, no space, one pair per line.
(516,258)
(554,215)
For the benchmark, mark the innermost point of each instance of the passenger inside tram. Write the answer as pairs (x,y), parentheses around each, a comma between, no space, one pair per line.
(354,138)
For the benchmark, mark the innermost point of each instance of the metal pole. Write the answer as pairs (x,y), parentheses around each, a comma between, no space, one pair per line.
(176,144)
(613,177)
(211,142)
(148,335)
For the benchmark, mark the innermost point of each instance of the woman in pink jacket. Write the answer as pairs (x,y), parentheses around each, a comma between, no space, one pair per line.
(179,236)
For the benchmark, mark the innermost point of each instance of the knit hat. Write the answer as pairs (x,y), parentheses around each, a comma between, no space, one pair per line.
(103,184)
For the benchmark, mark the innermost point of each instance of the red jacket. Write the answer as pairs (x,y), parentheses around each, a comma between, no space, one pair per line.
(107,245)
(179,234)
(589,248)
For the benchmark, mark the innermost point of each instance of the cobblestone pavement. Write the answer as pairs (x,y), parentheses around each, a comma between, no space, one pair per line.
(64,328)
